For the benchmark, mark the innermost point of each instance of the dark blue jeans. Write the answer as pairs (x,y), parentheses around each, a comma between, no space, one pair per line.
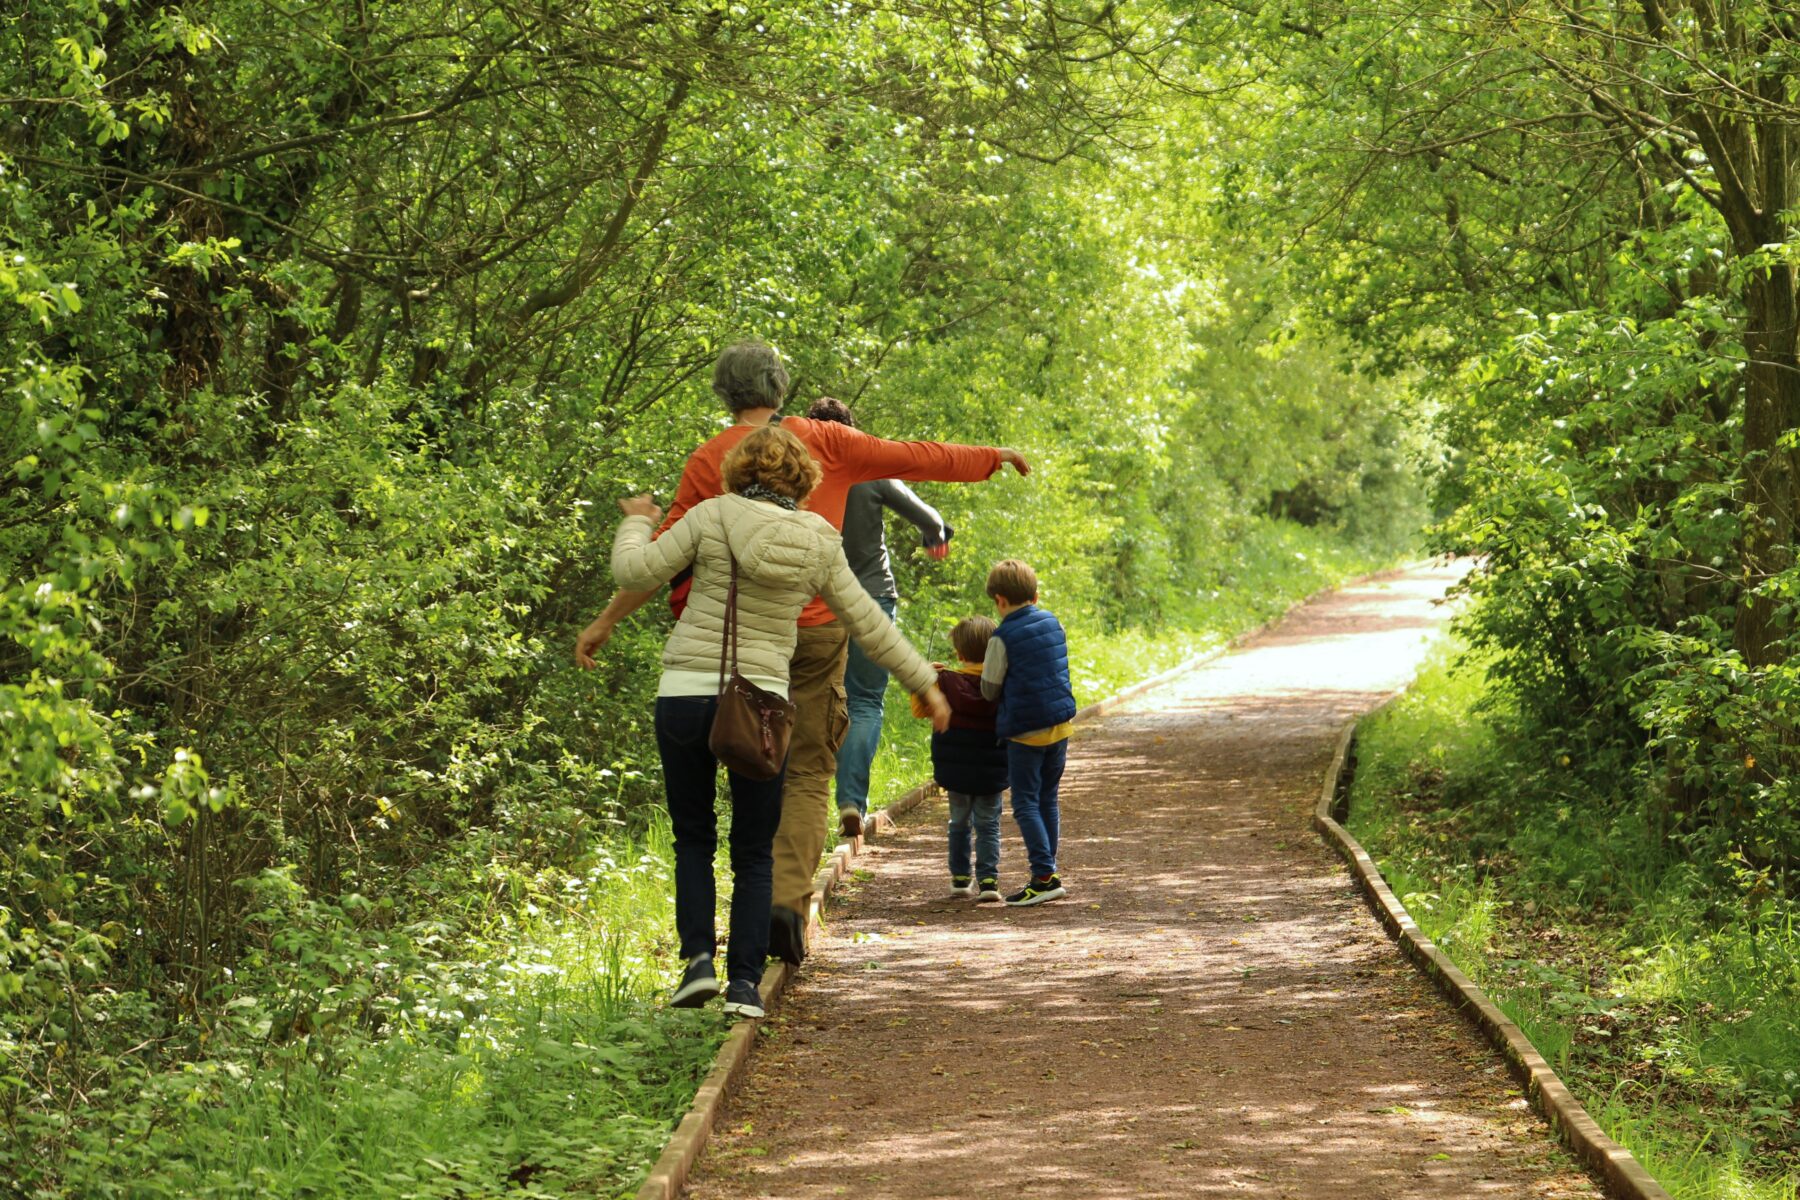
(979,815)
(865,687)
(1036,772)
(691,780)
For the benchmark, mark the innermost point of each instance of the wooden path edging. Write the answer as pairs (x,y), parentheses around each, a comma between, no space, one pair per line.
(1622,1174)
(670,1172)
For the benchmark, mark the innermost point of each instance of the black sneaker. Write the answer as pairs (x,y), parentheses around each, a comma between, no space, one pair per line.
(990,891)
(1037,891)
(787,935)
(962,885)
(850,822)
(698,983)
(742,1000)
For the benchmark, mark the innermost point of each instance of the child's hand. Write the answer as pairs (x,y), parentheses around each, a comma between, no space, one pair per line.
(933,698)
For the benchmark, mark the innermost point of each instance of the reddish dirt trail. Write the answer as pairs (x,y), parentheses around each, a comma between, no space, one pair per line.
(1211,1012)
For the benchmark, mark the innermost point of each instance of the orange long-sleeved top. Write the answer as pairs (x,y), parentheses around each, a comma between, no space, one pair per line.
(847,457)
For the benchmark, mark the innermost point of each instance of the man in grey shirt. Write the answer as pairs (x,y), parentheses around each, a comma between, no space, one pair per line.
(865,545)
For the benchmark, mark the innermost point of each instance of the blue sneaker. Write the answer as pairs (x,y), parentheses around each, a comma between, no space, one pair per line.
(743,1000)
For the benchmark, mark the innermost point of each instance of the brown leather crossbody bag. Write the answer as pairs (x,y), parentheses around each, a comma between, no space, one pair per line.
(752,726)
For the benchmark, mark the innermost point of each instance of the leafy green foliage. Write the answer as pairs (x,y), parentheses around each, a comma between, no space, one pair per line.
(543,1068)
(1592,280)
(330,340)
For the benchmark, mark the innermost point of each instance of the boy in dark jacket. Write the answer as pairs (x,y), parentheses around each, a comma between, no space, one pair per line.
(1026,670)
(968,760)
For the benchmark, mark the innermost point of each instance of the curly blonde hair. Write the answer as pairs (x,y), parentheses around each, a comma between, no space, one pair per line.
(774,458)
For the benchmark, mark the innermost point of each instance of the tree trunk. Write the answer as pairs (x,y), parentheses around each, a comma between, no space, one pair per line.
(1771,415)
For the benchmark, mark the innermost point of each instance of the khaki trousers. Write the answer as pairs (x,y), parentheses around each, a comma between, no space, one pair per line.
(816,686)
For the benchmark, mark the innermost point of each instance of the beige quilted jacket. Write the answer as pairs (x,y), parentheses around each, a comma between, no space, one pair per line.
(784,559)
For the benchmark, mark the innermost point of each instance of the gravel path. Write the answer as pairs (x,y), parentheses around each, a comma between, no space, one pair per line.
(1211,1012)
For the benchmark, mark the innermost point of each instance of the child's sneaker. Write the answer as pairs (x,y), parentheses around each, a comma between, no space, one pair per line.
(743,1000)
(1037,891)
(698,983)
(962,885)
(990,891)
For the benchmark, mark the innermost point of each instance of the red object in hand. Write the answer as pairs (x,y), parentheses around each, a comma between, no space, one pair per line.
(941,550)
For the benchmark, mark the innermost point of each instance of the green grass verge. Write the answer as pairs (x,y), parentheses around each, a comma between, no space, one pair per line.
(1668,1005)
(540,1063)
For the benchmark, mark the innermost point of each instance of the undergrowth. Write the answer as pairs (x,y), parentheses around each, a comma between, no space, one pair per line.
(1665,992)
(537,1061)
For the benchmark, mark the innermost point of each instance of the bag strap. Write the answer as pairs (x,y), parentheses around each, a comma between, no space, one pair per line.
(730,638)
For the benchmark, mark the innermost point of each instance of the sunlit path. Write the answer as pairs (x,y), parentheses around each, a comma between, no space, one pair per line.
(1212,1012)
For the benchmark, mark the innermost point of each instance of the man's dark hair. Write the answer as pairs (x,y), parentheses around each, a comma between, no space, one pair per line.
(750,375)
(829,408)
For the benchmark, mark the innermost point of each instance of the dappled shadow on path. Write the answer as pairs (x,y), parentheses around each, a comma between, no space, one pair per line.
(1211,1012)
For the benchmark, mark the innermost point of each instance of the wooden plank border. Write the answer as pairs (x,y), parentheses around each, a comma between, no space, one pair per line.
(1622,1174)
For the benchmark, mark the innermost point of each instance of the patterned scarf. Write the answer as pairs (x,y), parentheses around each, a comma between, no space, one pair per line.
(756,491)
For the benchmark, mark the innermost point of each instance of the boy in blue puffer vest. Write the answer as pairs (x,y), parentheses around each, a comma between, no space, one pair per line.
(1027,670)
(968,760)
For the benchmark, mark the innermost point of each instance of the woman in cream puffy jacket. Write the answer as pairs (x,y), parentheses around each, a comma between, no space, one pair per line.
(785,557)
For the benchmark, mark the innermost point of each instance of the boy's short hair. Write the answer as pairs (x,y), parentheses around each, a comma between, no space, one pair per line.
(970,638)
(1012,581)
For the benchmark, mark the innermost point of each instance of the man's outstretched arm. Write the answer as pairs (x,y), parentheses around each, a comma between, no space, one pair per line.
(864,458)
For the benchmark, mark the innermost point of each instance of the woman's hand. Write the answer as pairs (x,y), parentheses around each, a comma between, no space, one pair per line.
(596,635)
(641,506)
(933,699)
